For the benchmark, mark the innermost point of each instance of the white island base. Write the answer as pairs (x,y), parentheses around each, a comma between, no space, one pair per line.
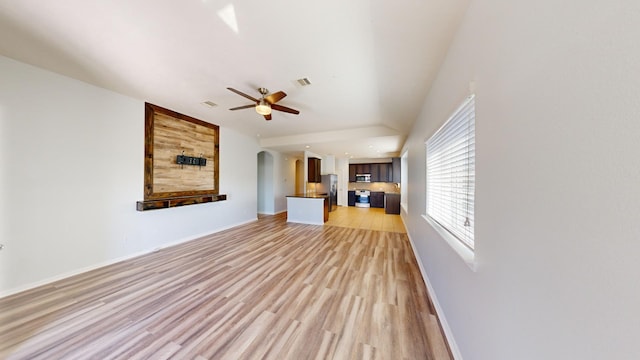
(307,209)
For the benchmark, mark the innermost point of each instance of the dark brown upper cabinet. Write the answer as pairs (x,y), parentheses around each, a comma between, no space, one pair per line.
(314,170)
(363,168)
(380,172)
(396,177)
(352,173)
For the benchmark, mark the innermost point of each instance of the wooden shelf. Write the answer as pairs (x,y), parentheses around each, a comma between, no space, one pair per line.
(177,201)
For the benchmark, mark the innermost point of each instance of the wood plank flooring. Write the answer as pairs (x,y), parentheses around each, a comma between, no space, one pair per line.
(266,290)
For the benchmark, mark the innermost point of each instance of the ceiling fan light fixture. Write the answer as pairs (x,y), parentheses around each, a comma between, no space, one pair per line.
(263,108)
(265,104)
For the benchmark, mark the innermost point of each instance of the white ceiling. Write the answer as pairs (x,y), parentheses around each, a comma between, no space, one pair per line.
(370,62)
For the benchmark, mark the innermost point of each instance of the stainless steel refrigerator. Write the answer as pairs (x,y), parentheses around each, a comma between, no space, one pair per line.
(329,186)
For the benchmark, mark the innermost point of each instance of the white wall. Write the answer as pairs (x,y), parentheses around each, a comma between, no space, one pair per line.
(285,181)
(342,170)
(277,181)
(72,171)
(328,164)
(300,176)
(404,194)
(265,183)
(558,181)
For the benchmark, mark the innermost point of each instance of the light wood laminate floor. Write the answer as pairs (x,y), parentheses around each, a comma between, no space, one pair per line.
(365,218)
(266,290)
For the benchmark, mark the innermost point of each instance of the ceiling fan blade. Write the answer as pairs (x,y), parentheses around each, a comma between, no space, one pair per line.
(243,107)
(275,97)
(285,109)
(267,117)
(243,94)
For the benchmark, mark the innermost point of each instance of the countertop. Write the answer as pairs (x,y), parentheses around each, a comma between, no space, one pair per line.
(377,191)
(310,196)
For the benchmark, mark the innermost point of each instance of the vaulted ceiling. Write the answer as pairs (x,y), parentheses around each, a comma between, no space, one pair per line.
(370,62)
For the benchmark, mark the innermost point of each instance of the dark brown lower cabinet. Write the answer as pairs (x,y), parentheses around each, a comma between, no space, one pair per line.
(377,199)
(351,198)
(392,204)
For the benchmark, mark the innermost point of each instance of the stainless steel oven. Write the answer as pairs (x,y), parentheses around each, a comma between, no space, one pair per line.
(362,198)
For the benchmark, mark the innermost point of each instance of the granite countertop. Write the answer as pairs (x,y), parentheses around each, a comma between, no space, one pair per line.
(310,196)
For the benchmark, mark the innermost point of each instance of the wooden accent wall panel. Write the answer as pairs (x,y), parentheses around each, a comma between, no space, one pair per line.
(167,183)
(171,138)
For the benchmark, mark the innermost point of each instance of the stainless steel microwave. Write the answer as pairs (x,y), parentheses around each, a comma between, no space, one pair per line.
(363,177)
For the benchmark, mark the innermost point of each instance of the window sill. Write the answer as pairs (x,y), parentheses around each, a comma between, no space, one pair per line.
(467,255)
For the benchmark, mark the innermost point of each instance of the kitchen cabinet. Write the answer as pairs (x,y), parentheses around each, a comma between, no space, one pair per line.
(377,199)
(386,172)
(396,170)
(363,168)
(313,170)
(351,198)
(392,203)
(380,172)
(375,172)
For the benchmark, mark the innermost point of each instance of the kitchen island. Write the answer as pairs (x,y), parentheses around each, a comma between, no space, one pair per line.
(308,208)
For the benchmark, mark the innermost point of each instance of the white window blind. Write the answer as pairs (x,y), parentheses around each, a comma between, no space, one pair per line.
(451,173)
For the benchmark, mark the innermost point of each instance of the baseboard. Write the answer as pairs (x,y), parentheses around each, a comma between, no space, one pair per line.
(113,261)
(272,213)
(304,222)
(434,299)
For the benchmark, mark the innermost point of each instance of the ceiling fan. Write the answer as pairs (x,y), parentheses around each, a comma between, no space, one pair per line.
(266,103)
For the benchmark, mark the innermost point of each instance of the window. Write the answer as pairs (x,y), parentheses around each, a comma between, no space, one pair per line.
(451,173)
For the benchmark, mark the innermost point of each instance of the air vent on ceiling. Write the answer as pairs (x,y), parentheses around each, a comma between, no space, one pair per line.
(304,82)
(210,103)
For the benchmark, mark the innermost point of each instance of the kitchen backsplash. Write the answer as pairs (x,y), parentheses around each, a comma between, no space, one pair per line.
(375,186)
